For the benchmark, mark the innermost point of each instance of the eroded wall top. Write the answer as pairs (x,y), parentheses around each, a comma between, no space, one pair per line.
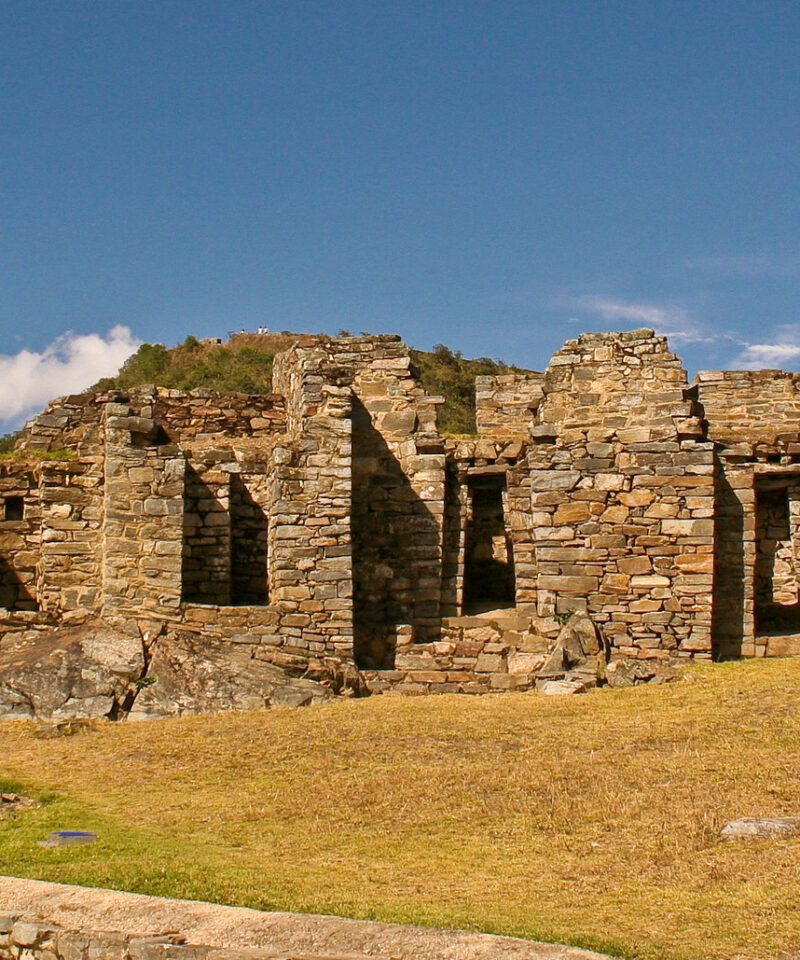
(626,386)
(754,411)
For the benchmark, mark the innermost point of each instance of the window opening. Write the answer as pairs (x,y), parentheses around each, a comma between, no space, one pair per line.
(15,508)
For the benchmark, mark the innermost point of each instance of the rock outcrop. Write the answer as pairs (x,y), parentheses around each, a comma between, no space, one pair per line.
(65,673)
(94,671)
(185,676)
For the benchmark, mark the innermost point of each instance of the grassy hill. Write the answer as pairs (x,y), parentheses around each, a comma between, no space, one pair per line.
(590,820)
(244,365)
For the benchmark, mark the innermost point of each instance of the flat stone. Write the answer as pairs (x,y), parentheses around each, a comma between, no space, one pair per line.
(401,422)
(754,827)
(25,934)
(559,688)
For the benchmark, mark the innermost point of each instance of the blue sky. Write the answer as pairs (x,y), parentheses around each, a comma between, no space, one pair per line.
(497,176)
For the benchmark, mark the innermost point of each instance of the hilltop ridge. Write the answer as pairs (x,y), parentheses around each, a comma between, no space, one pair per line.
(244,365)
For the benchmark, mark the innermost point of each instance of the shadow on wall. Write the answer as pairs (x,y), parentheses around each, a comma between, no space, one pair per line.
(728,613)
(14,595)
(224,542)
(249,577)
(396,552)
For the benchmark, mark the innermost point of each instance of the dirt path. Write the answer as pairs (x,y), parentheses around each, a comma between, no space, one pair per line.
(87,909)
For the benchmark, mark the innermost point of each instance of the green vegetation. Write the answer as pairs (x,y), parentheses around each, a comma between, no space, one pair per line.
(590,820)
(11,454)
(447,374)
(241,367)
(8,440)
(229,369)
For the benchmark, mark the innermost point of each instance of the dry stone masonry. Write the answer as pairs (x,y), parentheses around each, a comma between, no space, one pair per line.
(328,539)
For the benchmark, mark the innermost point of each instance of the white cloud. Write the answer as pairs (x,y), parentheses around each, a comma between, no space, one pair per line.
(668,320)
(781,350)
(71,363)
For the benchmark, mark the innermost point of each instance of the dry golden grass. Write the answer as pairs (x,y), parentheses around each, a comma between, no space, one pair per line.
(591,820)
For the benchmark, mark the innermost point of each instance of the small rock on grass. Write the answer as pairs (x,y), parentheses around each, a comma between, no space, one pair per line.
(14,801)
(750,827)
(552,688)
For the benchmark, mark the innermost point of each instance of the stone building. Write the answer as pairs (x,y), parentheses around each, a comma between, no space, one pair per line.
(331,523)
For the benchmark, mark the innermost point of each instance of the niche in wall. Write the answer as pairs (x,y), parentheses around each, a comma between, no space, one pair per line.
(249,576)
(14,509)
(224,539)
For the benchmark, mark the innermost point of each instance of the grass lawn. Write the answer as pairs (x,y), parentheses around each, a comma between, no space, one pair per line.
(590,820)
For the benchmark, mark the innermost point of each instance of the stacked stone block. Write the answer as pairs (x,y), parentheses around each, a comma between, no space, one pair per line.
(310,543)
(143,530)
(629,539)
(473,655)
(505,405)
(753,418)
(622,496)
(20,535)
(72,524)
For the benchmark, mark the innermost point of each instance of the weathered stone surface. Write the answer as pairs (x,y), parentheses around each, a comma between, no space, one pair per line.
(627,673)
(579,639)
(758,827)
(559,688)
(85,671)
(187,676)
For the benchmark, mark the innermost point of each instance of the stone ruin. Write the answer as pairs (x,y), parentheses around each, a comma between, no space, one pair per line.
(230,550)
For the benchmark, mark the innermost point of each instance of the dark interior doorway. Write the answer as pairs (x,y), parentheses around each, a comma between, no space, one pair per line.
(489,558)
(777,592)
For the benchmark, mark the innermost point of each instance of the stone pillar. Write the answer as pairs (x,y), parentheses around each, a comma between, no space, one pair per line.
(143,540)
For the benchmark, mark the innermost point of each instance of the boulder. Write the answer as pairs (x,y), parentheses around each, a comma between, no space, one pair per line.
(187,676)
(578,639)
(628,673)
(577,644)
(65,673)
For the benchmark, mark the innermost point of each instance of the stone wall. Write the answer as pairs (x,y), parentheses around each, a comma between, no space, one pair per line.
(506,405)
(32,938)
(398,476)
(70,423)
(20,535)
(310,543)
(73,519)
(753,419)
(330,523)
(752,413)
(629,538)
(473,655)
(626,386)
(622,496)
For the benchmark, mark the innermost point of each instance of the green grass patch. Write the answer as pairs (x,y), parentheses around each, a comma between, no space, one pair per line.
(60,455)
